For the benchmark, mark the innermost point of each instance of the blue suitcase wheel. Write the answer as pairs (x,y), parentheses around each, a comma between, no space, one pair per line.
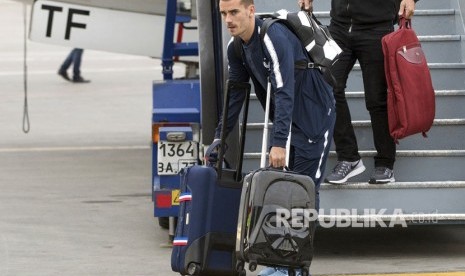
(193,269)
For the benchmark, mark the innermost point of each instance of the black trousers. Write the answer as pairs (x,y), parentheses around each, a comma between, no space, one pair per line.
(364,46)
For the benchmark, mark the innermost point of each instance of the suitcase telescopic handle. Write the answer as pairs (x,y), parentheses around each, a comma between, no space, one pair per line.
(266,130)
(265,125)
(233,85)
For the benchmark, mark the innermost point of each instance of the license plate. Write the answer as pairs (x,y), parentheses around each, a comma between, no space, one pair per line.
(173,156)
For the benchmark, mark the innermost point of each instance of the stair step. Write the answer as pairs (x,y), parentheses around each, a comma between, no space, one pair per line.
(411,165)
(449,104)
(440,38)
(448,75)
(442,136)
(445,76)
(440,12)
(434,4)
(438,93)
(424,22)
(415,165)
(320,7)
(397,219)
(367,123)
(395,185)
(360,94)
(418,12)
(442,48)
(400,153)
(440,200)
(415,153)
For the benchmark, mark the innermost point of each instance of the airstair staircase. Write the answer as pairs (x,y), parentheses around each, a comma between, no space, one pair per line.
(429,172)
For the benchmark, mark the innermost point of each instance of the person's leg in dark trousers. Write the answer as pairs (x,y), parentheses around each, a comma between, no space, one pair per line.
(67,62)
(349,161)
(310,158)
(344,135)
(77,54)
(368,48)
(65,65)
(74,58)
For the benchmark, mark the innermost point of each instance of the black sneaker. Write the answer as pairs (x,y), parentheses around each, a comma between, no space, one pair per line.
(382,175)
(345,170)
(64,74)
(80,80)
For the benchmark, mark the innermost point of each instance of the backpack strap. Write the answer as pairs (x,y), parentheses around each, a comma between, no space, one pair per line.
(263,29)
(237,47)
(265,26)
(298,64)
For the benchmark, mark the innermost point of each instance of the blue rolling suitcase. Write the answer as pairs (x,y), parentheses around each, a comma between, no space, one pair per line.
(205,237)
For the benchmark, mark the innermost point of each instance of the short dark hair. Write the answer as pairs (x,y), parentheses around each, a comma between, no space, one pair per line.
(245,2)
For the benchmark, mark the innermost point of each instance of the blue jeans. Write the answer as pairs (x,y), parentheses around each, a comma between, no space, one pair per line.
(74,58)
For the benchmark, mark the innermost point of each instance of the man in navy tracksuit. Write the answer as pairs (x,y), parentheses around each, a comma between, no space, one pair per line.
(358,27)
(300,96)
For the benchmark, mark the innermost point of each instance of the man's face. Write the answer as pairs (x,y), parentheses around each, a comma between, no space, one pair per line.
(238,18)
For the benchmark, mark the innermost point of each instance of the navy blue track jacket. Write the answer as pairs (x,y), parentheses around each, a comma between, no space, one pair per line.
(298,95)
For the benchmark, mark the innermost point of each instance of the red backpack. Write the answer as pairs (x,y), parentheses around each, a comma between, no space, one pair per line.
(410,98)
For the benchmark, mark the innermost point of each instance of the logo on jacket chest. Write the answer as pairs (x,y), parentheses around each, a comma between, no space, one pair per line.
(266,64)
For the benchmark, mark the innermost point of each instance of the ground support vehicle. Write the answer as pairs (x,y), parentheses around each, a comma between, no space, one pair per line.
(175,121)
